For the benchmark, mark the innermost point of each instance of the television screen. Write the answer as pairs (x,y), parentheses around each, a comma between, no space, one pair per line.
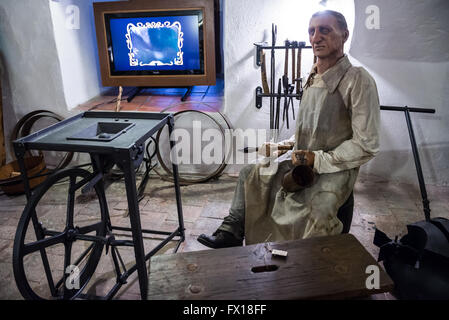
(155,43)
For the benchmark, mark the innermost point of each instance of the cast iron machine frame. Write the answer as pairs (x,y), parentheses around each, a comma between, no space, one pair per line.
(104,155)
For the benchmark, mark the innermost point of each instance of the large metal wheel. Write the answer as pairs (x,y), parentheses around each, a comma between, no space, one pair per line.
(58,245)
(196,172)
(33,122)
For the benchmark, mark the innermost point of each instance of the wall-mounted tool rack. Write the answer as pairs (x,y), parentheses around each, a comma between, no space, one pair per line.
(285,89)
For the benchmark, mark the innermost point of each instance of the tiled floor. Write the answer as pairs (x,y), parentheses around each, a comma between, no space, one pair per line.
(378,203)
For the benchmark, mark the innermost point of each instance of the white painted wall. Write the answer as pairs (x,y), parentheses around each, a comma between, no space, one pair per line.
(407,56)
(31,77)
(74,32)
(48,61)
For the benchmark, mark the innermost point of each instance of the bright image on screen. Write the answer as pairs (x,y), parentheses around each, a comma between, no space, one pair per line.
(155,43)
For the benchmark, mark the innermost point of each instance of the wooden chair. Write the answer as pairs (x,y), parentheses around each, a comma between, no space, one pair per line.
(345,213)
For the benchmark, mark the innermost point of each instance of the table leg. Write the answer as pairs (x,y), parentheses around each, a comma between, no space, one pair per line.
(176,179)
(134,217)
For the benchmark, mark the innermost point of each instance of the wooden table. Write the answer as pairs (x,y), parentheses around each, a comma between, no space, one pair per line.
(331,267)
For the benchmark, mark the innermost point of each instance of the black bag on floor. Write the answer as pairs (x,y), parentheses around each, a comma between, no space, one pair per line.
(418,263)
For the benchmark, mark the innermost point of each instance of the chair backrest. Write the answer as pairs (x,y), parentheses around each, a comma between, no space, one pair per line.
(345,213)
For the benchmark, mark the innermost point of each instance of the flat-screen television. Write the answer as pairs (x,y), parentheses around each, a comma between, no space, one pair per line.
(156,43)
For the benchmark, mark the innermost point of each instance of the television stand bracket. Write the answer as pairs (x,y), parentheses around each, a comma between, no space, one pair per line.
(137,90)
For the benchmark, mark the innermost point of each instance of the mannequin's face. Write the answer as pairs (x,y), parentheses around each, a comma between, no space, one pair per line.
(326,37)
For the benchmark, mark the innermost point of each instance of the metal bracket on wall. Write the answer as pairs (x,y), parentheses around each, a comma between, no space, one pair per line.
(260,95)
(264,46)
(259,46)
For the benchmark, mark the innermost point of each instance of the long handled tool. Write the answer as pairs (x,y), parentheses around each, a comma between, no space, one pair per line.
(278,105)
(291,87)
(273,71)
(290,101)
(294,44)
(263,71)
(298,75)
(256,149)
(287,45)
(285,84)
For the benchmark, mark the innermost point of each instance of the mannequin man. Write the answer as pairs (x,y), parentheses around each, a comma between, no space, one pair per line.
(337,130)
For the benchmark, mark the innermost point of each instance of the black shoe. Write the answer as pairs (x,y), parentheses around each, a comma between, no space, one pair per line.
(220,239)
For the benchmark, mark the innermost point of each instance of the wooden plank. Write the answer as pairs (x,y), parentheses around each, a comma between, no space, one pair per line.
(2,132)
(318,268)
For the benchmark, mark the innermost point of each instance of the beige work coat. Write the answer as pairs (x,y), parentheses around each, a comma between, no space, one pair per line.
(338,120)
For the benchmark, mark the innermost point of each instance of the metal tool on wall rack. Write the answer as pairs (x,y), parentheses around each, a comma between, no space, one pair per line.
(287,46)
(285,84)
(294,44)
(263,71)
(278,105)
(298,79)
(289,88)
(273,71)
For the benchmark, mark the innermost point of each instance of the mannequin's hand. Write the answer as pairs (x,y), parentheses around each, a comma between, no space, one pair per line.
(303,158)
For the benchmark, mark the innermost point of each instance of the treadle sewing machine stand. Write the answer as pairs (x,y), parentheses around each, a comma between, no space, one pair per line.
(110,138)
